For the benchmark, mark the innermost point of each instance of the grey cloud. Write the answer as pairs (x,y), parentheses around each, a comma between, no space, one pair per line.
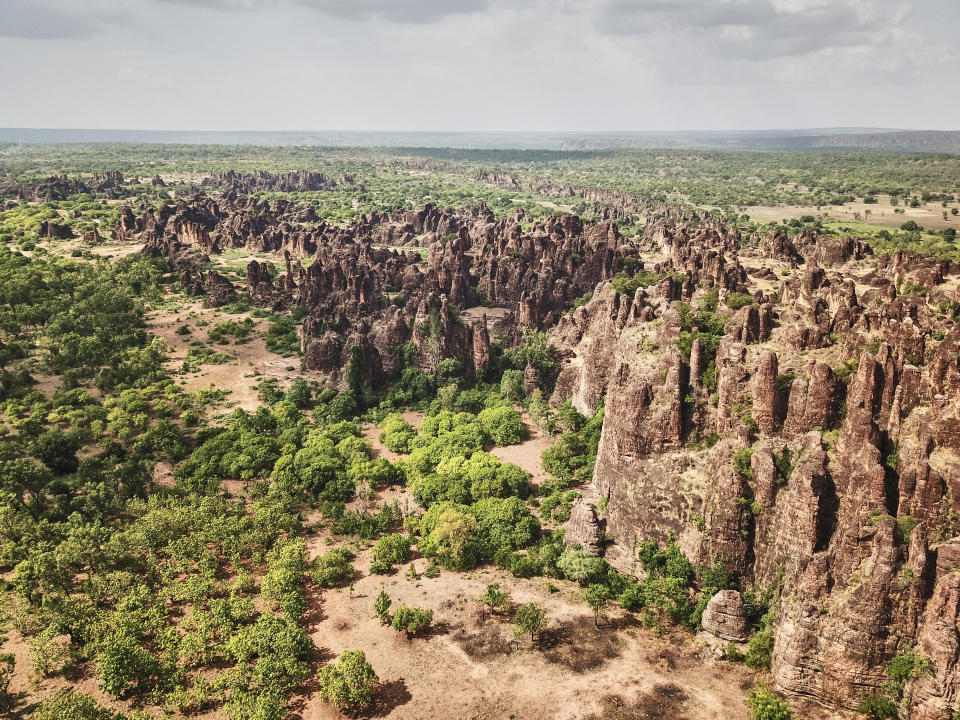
(401,11)
(405,11)
(754,29)
(47,20)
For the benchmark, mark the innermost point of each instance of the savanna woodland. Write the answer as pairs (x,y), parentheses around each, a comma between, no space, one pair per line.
(411,433)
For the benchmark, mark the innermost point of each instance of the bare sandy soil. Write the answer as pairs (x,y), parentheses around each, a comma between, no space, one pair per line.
(468,667)
(249,361)
(372,433)
(527,454)
(882,213)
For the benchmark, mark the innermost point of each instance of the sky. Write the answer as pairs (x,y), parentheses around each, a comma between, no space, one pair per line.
(479,65)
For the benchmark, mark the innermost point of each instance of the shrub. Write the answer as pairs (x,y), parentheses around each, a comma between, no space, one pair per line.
(597,596)
(391,549)
(760,650)
(879,707)
(7,664)
(71,705)
(530,618)
(332,568)
(494,598)
(381,607)
(764,704)
(411,620)
(350,682)
(580,566)
(908,666)
(737,300)
(511,385)
(504,524)
(450,535)
(123,663)
(397,433)
(299,393)
(741,462)
(503,424)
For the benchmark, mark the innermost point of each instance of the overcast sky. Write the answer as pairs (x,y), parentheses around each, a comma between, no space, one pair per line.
(479,64)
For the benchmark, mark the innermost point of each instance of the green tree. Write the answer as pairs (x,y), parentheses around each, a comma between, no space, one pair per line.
(452,539)
(390,550)
(879,707)
(503,424)
(333,568)
(411,620)
(529,618)
(764,704)
(597,596)
(299,393)
(350,682)
(356,372)
(381,607)
(72,705)
(580,566)
(7,664)
(494,598)
(511,385)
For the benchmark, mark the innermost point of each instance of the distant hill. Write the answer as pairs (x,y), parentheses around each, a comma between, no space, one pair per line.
(908,141)
(860,139)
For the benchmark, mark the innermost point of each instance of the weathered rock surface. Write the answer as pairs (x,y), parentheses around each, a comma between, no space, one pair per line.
(583,528)
(726,617)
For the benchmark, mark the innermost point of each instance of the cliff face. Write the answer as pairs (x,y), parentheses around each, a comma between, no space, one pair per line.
(848,396)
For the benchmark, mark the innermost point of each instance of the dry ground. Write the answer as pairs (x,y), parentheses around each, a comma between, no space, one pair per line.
(470,667)
(249,361)
(882,213)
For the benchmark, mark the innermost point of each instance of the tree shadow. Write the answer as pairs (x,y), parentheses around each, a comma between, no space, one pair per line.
(315,614)
(578,646)
(389,696)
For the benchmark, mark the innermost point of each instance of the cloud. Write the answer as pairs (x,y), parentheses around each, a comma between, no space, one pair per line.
(47,20)
(402,11)
(756,29)
(399,11)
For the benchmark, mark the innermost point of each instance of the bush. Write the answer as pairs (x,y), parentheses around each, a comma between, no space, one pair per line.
(450,535)
(333,568)
(760,650)
(411,620)
(879,707)
(391,549)
(71,705)
(511,385)
(350,682)
(908,666)
(741,462)
(580,566)
(397,433)
(503,424)
(764,704)
(504,524)
(299,393)
(123,663)
(7,664)
(381,607)
(737,300)
(530,618)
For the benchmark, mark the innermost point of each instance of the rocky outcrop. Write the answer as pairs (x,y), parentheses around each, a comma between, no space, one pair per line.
(50,229)
(583,528)
(850,408)
(725,617)
(260,180)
